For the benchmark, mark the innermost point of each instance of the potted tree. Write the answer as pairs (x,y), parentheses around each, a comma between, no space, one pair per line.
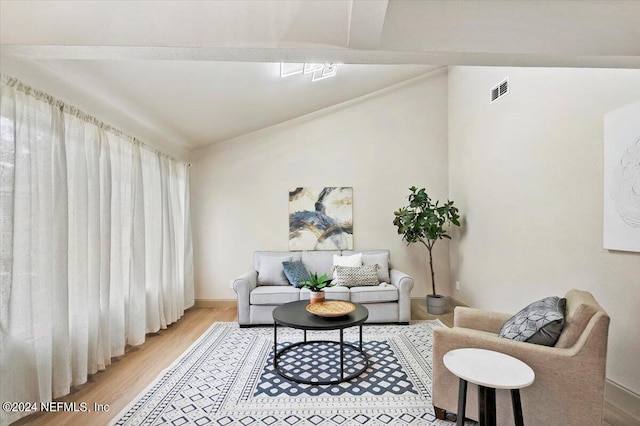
(426,222)
(316,285)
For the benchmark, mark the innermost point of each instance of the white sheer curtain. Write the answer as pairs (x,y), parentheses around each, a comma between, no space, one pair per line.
(95,245)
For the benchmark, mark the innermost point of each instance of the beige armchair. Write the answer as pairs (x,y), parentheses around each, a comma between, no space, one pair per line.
(569,383)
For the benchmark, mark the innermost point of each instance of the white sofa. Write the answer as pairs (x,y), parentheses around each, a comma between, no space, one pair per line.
(387,302)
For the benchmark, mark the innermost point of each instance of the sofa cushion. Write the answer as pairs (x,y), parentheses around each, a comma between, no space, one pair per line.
(259,255)
(318,262)
(356,276)
(295,272)
(374,294)
(271,271)
(274,295)
(331,293)
(380,259)
(540,322)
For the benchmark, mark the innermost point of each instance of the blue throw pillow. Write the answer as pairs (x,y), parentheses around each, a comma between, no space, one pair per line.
(295,272)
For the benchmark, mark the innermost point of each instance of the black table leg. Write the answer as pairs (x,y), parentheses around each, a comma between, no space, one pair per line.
(360,337)
(341,355)
(487,406)
(491,406)
(275,342)
(305,336)
(517,407)
(482,405)
(462,402)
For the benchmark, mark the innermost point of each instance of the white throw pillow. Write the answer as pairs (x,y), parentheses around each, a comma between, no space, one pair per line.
(352,261)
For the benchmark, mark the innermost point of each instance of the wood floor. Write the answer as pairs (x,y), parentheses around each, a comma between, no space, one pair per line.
(130,374)
(419,312)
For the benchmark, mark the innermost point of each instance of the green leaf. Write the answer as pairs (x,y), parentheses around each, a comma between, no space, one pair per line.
(424,220)
(315,283)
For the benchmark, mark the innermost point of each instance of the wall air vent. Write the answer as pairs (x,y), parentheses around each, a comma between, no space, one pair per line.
(500,90)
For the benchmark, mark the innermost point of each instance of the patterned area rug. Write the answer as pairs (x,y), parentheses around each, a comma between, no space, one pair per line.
(227,378)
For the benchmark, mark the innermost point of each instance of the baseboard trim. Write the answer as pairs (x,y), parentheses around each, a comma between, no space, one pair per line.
(623,399)
(215,303)
(455,302)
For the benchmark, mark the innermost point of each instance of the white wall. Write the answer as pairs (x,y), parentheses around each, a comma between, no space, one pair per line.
(527,172)
(380,145)
(36,75)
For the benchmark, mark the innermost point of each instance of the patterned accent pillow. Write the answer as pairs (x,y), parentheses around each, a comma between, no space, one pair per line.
(356,276)
(295,272)
(353,260)
(541,322)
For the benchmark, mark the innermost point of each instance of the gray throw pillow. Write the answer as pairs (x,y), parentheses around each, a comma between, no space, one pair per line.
(295,272)
(382,260)
(356,276)
(541,322)
(271,271)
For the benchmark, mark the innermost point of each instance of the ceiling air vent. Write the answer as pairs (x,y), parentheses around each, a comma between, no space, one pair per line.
(500,90)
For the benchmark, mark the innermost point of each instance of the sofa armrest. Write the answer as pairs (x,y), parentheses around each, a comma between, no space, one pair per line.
(404,283)
(478,319)
(401,280)
(243,286)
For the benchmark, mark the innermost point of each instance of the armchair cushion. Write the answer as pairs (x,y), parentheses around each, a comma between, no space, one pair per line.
(540,322)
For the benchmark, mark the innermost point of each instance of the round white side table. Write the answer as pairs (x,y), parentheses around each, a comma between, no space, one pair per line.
(489,370)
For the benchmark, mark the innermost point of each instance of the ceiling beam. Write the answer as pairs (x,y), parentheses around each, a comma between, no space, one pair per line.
(339,55)
(366,22)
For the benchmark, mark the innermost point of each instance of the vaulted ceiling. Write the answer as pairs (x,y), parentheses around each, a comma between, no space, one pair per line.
(195,73)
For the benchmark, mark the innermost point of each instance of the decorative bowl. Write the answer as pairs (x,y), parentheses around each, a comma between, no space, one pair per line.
(331,308)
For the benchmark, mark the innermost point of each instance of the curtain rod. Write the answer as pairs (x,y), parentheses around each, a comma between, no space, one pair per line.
(70,109)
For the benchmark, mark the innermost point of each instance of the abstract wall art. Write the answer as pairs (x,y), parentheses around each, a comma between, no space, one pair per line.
(622,179)
(321,218)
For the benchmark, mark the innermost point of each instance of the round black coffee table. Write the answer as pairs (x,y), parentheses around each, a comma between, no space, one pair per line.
(295,315)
